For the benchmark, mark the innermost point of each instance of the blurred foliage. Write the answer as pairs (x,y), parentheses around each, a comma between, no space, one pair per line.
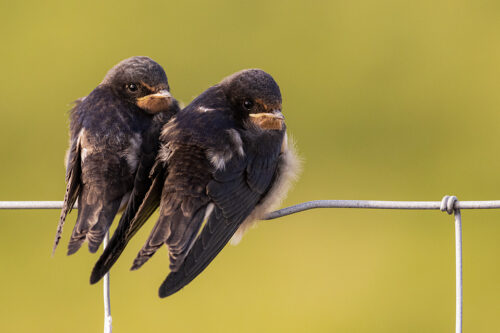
(389,99)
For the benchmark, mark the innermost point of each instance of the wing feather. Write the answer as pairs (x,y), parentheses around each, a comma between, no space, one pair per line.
(234,199)
(143,201)
(183,207)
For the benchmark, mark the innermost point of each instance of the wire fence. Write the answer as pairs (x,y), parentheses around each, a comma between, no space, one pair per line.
(449,204)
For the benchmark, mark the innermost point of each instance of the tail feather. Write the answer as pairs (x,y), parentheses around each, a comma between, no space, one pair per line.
(69,201)
(155,241)
(73,189)
(175,230)
(144,256)
(76,241)
(97,232)
(131,221)
(111,254)
(94,220)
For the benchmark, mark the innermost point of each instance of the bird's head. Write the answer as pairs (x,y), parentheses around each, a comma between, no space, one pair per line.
(255,98)
(141,81)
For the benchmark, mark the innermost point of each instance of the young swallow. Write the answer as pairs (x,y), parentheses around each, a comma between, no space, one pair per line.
(111,130)
(225,160)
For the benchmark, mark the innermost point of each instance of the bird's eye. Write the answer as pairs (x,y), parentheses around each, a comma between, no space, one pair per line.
(132,87)
(248,104)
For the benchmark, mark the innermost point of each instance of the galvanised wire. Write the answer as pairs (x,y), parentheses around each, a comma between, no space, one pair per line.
(367,204)
(108,328)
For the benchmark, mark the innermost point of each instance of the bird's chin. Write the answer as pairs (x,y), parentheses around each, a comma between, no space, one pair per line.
(267,121)
(154,103)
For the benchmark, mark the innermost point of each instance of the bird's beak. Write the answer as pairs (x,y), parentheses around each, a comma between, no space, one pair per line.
(155,103)
(268,120)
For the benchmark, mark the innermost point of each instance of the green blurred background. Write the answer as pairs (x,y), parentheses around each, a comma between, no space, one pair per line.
(387,100)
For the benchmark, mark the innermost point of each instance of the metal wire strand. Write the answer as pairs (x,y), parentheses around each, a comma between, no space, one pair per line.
(458,269)
(107,299)
(373,204)
(449,204)
(367,204)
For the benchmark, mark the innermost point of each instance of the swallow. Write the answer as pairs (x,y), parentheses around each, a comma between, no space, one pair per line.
(111,130)
(224,162)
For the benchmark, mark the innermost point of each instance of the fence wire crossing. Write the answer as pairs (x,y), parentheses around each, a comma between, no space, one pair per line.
(449,204)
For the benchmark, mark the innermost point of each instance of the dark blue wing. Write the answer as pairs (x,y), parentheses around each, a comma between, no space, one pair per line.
(235,191)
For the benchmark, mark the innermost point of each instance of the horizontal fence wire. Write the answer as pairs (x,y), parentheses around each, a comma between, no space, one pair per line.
(448,204)
(364,204)
(374,204)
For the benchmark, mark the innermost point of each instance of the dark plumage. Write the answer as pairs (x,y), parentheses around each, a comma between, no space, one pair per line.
(111,129)
(225,160)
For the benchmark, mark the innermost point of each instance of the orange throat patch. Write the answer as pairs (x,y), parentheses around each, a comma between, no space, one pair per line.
(154,103)
(267,121)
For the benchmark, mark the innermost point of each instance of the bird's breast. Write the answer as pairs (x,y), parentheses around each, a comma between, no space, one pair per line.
(133,151)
